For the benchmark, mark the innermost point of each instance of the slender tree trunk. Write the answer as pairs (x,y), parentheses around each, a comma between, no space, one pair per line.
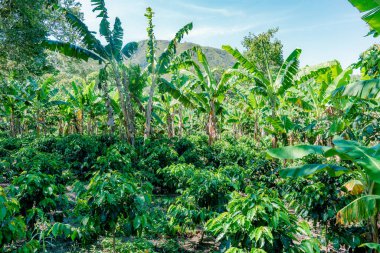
(180,122)
(12,124)
(149,108)
(169,123)
(89,125)
(110,116)
(122,102)
(256,131)
(274,138)
(211,125)
(130,112)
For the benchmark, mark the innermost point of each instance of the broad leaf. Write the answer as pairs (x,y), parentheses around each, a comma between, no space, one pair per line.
(358,210)
(296,152)
(310,169)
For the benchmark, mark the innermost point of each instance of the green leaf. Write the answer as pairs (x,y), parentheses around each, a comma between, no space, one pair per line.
(374,246)
(358,210)
(296,152)
(371,8)
(3,212)
(288,71)
(309,169)
(368,89)
(136,222)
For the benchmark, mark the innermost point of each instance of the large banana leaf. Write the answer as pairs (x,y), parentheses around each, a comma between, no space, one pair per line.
(287,73)
(371,10)
(310,169)
(168,54)
(297,152)
(245,63)
(166,86)
(369,89)
(358,210)
(321,73)
(129,49)
(87,37)
(100,5)
(365,157)
(71,50)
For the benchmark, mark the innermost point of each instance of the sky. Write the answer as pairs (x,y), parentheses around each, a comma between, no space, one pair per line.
(324,29)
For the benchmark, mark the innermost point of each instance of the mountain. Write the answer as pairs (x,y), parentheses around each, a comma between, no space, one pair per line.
(217,58)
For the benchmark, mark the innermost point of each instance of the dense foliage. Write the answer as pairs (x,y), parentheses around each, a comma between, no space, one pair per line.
(175,156)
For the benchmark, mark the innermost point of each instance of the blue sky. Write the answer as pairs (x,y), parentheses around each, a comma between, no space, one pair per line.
(323,29)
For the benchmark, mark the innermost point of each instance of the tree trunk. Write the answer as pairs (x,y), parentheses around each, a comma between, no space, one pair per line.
(149,108)
(169,123)
(12,124)
(180,122)
(122,102)
(274,138)
(130,112)
(211,124)
(110,117)
(256,131)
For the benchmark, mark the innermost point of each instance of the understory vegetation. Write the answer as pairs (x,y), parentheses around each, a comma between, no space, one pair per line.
(98,154)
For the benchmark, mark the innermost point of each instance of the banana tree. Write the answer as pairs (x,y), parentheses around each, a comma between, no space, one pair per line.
(206,90)
(274,86)
(111,54)
(42,98)
(159,65)
(315,96)
(85,104)
(366,160)
(13,104)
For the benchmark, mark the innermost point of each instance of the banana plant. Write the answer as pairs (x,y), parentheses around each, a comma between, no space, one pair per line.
(84,103)
(274,86)
(42,98)
(206,90)
(366,160)
(111,54)
(13,103)
(159,65)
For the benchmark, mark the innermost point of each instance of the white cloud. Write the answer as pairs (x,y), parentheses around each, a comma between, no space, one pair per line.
(219,11)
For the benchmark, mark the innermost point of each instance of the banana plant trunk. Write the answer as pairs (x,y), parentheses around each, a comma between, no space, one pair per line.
(211,124)
(256,133)
(170,124)
(12,124)
(180,122)
(149,108)
(110,117)
(274,137)
(122,102)
(130,112)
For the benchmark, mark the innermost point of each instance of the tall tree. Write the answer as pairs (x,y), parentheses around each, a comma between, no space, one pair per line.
(264,50)
(22,29)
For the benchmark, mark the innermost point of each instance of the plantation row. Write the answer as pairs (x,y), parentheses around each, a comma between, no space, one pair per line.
(81,188)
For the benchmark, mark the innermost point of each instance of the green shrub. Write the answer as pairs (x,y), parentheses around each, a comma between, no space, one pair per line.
(80,152)
(113,199)
(36,189)
(118,157)
(12,227)
(256,220)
